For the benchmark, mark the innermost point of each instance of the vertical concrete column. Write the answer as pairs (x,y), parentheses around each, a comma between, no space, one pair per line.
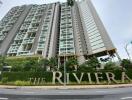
(38,33)
(54,33)
(79,39)
(48,37)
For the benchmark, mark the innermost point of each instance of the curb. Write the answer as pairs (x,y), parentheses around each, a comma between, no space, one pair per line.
(67,87)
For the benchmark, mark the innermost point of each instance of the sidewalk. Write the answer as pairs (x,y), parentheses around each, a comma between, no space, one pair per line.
(68,87)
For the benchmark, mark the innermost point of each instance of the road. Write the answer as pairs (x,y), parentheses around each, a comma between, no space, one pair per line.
(66,94)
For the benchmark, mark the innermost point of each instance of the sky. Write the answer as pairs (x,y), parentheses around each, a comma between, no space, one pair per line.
(116,16)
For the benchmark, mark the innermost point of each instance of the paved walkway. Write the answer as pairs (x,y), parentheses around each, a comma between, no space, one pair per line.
(68,87)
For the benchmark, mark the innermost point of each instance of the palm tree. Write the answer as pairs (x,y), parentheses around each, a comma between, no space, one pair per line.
(44,63)
(72,63)
(93,62)
(53,63)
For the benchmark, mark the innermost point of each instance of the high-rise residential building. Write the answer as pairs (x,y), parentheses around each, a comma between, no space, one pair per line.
(37,31)
(55,30)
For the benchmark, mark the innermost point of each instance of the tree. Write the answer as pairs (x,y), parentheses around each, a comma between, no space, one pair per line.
(93,62)
(53,63)
(72,64)
(126,63)
(2,62)
(30,65)
(44,63)
(84,67)
(111,66)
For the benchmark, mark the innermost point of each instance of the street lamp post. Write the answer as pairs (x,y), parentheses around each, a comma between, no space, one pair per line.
(126,46)
(65,62)
(65,70)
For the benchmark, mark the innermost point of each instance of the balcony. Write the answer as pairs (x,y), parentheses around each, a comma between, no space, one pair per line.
(32,29)
(24,27)
(36,21)
(19,37)
(28,40)
(2,38)
(12,51)
(40,46)
(24,53)
(28,20)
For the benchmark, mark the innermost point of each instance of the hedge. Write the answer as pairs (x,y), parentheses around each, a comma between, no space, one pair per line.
(24,76)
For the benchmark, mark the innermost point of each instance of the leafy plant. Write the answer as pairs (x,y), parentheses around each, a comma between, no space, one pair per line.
(30,65)
(2,62)
(93,62)
(43,63)
(126,63)
(111,66)
(4,80)
(53,63)
(72,63)
(85,68)
(22,83)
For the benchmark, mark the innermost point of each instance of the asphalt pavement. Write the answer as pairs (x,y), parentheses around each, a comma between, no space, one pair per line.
(66,94)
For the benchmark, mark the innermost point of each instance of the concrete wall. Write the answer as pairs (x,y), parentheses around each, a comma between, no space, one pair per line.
(46,49)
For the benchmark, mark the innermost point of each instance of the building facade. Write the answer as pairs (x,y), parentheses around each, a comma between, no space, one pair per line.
(55,30)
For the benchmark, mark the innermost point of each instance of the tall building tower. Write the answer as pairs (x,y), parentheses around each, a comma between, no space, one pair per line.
(37,33)
(66,39)
(9,26)
(87,36)
(55,30)
(97,41)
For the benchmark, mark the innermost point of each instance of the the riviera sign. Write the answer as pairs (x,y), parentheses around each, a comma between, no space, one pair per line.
(98,76)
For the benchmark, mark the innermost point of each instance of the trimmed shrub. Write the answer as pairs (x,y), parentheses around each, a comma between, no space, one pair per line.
(25,76)
(22,63)
(4,80)
(22,83)
(111,66)
(126,64)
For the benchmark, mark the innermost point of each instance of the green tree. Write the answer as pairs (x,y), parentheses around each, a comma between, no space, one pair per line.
(44,63)
(93,62)
(53,63)
(111,66)
(126,63)
(84,67)
(17,68)
(2,62)
(30,65)
(72,64)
